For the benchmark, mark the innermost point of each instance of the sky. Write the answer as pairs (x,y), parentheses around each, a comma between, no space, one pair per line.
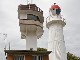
(10,24)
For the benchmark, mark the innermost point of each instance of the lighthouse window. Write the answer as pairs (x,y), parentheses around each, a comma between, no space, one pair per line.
(58,11)
(18,57)
(32,17)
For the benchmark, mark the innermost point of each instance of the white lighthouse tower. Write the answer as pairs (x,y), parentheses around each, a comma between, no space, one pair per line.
(31,24)
(56,43)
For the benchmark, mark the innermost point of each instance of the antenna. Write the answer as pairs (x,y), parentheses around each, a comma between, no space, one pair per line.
(5,36)
(54,3)
(9,45)
(5,47)
(29,1)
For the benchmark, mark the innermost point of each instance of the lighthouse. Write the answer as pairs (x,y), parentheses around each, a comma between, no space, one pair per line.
(56,43)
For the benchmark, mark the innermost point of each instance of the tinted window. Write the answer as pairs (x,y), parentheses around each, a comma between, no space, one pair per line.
(32,17)
(18,57)
(58,11)
(34,58)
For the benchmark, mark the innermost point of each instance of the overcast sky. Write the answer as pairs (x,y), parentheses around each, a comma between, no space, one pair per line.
(10,24)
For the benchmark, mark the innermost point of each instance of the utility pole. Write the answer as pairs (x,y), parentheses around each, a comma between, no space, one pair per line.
(5,36)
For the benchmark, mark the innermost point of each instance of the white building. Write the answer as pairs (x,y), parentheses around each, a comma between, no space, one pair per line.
(56,43)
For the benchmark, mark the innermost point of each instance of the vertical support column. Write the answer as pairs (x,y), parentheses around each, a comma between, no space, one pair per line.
(31,41)
(31,37)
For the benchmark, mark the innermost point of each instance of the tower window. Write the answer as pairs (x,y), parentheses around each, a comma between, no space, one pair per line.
(32,17)
(18,57)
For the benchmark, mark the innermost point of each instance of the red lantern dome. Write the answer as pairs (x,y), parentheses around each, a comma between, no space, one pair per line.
(55,7)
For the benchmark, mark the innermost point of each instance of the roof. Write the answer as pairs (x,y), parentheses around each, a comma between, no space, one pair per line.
(27,52)
(54,6)
(26,7)
(30,7)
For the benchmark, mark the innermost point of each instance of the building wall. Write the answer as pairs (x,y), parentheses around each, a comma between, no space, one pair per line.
(26,57)
(23,16)
(9,57)
(45,57)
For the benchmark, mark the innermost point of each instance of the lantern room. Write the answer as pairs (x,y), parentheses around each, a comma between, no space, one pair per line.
(55,9)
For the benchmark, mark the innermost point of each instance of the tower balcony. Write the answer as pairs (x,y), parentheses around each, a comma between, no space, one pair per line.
(55,19)
(25,11)
(30,7)
(30,27)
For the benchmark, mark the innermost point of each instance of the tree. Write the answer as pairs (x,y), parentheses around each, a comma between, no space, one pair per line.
(41,49)
(70,56)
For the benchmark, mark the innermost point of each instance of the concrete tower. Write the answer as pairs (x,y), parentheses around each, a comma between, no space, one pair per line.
(31,24)
(56,43)
(31,27)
